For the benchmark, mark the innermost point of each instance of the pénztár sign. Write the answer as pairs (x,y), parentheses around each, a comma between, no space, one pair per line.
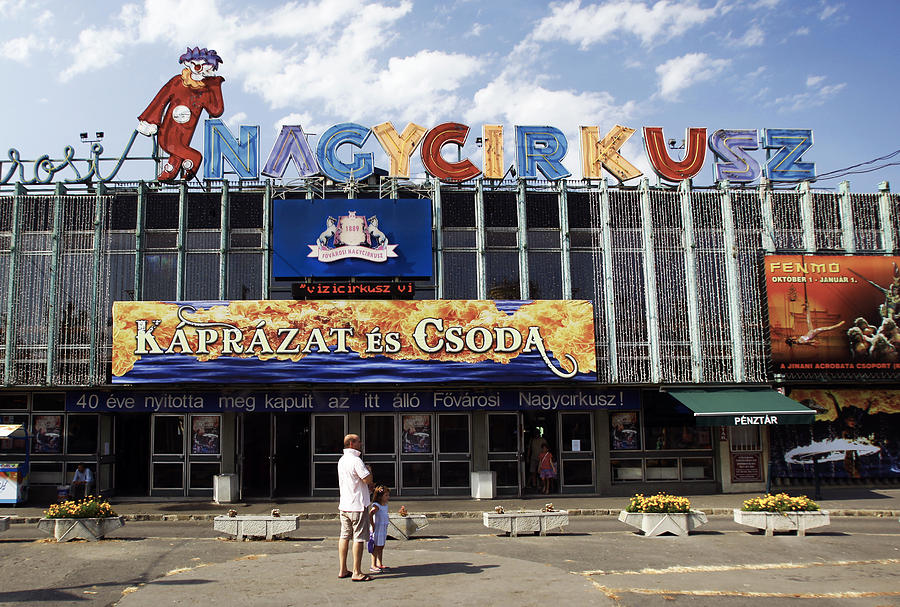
(353,341)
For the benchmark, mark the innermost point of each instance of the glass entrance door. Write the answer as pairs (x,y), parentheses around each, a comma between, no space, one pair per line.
(379,439)
(291,456)
(255,459)
(576,452)
(328,446)
(169,440)
(505,451)
(186,453)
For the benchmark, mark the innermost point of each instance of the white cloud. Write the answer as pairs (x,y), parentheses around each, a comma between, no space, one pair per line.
(304,119)
(753,36)
(235,120)
(509,102)
(44,18)
(679,73)
(828,10)
(588,25)
(416,87)
(766,3)
(757,72)
(331,53)
(802,31)
(816,96)
(9,8)
(98,48)
(476,30)
(20,49)
(814,80)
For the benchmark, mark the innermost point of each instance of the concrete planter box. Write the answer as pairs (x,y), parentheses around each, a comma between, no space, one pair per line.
(533,521)
(403,527)
(771,522)
(92,529)
(657,523)
(256,525)
(4,523)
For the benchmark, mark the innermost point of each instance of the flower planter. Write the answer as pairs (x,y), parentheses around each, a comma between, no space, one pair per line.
(256,525)
(402,527)
(534,521)
(771,522)
(4,523)
(92,529)
(657,523)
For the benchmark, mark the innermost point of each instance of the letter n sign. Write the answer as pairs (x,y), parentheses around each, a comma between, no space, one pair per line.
(242,155)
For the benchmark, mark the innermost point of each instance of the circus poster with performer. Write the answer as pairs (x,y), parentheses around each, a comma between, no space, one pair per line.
(856,434)
(833,313)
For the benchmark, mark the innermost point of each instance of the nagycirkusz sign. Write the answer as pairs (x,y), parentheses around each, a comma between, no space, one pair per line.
(353,341)
(175,111)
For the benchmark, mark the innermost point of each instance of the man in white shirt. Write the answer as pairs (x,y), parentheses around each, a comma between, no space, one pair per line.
(82,482)
(355,481)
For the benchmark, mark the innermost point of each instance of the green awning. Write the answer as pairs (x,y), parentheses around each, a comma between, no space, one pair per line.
(743,407)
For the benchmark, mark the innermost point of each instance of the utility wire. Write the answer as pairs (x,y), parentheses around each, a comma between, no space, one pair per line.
(849,170)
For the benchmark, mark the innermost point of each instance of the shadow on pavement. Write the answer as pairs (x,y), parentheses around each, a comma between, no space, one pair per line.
(430,569)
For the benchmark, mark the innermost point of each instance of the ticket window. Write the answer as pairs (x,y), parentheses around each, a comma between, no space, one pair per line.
(746,454)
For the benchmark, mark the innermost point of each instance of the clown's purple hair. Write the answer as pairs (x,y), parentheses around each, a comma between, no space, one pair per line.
(201,54)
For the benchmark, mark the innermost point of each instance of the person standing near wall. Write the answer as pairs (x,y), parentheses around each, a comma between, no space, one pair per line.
(355,481)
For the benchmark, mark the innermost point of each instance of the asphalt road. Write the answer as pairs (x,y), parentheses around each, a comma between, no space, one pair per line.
(596,561)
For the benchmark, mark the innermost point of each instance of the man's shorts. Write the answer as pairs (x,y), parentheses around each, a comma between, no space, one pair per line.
(355,524)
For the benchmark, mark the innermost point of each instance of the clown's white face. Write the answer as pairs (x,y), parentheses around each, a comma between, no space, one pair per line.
(199,69)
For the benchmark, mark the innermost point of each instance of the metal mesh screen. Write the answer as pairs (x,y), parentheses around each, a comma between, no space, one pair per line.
(788,225)
(827,221)
(65,258)
(866,224)
(748,249)
(628,287)
(716,344)
(671,284)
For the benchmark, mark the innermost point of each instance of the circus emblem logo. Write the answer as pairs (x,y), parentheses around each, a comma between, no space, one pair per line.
(352,235)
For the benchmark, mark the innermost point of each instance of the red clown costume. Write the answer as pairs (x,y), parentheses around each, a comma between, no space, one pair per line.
(175,111)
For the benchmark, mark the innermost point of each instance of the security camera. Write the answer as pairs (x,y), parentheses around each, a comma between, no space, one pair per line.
(672,143)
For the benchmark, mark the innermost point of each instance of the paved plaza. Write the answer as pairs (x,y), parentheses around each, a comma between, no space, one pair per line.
(596,560)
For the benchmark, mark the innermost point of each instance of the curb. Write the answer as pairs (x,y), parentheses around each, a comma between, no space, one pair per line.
(328,516)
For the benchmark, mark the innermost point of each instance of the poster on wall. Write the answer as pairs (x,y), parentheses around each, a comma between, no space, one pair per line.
(47,432)
(416,433)
(625,434)
(358,237)
(205,433)
(834,313)
(353,341)
(854,435)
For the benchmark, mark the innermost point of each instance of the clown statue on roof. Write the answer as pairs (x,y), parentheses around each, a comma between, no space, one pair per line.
(174,112)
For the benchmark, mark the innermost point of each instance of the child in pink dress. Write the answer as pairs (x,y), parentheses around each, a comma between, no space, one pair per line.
(379,518)
(546,467)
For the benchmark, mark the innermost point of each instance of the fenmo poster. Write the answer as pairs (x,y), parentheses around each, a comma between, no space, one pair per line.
(833,314)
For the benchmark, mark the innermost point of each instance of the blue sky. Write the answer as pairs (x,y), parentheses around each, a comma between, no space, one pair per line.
(820,64)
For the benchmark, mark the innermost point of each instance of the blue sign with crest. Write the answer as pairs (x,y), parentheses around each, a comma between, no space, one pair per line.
(382,238)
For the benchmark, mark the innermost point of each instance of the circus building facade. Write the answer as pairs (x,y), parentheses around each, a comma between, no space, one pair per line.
(217,322)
